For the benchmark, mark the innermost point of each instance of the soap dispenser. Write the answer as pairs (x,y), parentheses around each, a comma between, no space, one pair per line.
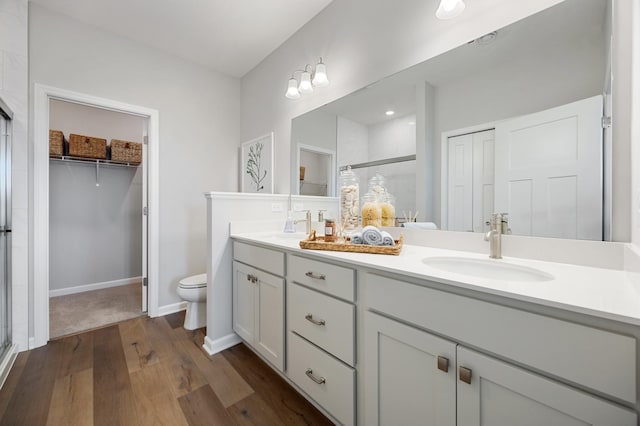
(290,225)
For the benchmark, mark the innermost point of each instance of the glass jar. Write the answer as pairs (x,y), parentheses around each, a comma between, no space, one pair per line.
(377,184)
(349,200)
(371,210)
(387,205)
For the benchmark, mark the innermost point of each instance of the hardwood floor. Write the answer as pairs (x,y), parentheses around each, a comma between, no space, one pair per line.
(147,372)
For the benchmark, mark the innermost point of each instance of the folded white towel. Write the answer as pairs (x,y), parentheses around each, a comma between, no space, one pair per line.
(387,239)
(420,225)
(356,238)
(371,235)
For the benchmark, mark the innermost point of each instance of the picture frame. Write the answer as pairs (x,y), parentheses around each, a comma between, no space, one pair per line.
(256,165)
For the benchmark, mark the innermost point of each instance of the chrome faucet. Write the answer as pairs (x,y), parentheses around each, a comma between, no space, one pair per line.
(494,236)
(306,219)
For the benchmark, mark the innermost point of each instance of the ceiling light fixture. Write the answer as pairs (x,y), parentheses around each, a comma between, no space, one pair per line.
(390,112)
(449,9)
(309,78)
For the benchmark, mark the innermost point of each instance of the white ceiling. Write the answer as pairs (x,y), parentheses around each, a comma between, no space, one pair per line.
(230,36)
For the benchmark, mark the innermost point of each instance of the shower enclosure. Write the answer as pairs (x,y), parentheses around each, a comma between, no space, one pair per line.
(5,230)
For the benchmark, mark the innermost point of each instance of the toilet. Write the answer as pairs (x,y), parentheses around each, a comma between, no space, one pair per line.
(193,290)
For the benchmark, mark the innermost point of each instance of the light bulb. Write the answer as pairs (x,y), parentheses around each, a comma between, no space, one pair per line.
(449,9)
(390,112)
(305,83)
(292,90)
(449,5)
(320,77)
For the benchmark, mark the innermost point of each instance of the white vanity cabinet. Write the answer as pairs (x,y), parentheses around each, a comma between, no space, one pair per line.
(483,390)
(499,394)
(411,375)
(322,334)
(258,301)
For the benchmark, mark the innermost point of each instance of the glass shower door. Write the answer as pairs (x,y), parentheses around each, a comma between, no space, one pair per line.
(5,230)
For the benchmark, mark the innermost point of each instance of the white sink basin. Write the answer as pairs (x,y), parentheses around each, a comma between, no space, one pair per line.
(491,269)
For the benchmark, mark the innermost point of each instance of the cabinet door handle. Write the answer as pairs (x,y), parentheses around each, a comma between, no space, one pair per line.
(316,276)
(443,364)
(310,375)
(465,375)
(309,318)
(252,278)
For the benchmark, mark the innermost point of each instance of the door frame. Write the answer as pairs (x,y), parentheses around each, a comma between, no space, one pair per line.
(42,95)
(331,184)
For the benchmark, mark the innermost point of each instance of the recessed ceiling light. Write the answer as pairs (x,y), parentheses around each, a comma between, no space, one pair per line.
(390,112)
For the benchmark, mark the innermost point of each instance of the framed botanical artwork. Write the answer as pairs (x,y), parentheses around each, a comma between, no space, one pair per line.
(256,165)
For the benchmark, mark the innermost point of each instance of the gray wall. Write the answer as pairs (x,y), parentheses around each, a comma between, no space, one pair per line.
(95,232)
(199,129)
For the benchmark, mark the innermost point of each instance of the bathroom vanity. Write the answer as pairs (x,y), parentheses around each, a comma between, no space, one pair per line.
(374,339)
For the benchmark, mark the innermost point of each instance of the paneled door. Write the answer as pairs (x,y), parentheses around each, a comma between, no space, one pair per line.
(548,171)
(470,180)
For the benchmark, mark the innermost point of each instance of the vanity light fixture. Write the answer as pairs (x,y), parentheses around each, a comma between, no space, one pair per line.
(449,9)
(309,78)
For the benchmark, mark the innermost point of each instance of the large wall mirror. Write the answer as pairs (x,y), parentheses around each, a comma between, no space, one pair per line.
(510,122)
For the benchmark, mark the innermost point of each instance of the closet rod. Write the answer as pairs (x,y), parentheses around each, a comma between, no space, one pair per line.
(90,161)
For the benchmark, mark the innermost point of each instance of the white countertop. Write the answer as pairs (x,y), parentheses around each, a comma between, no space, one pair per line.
(603,293)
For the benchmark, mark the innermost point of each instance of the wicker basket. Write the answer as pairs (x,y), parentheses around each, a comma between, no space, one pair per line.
(56,143)
(87,147)
(317,243)
(126,152)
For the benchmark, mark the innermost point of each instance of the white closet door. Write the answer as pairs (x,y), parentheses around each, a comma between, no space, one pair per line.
(548,171)
(483,179)
(460,181)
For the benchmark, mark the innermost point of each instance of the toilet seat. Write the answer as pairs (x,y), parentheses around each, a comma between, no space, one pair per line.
(194,281)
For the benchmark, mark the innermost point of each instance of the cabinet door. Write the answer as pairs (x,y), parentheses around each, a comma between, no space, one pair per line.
(269,336)
(503,395)
(244,292)
(404,385)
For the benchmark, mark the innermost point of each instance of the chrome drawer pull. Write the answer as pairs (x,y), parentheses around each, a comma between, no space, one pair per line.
(310,375)
(309,318)
(316,277)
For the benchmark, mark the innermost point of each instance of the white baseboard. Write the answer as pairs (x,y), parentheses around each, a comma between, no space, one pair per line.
(172,308)
(7,363)
(94,286)
(219,345)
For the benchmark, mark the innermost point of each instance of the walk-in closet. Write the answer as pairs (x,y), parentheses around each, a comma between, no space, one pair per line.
(96,218)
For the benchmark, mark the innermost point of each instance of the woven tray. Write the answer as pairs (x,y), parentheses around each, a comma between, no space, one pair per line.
(126,152)
(317,243)
(87,147)
(56,143)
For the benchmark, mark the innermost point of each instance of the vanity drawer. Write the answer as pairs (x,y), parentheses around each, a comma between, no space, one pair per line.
(590,357)
(308,365)
(259,257)
(323,320)
(331,279)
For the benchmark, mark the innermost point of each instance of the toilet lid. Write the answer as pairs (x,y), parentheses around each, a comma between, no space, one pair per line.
(194,281)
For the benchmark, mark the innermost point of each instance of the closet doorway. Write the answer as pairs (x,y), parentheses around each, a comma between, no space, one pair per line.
(95,223)
(96,218)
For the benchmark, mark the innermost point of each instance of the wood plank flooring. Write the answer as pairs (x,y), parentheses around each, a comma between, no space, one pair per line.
(147,371)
